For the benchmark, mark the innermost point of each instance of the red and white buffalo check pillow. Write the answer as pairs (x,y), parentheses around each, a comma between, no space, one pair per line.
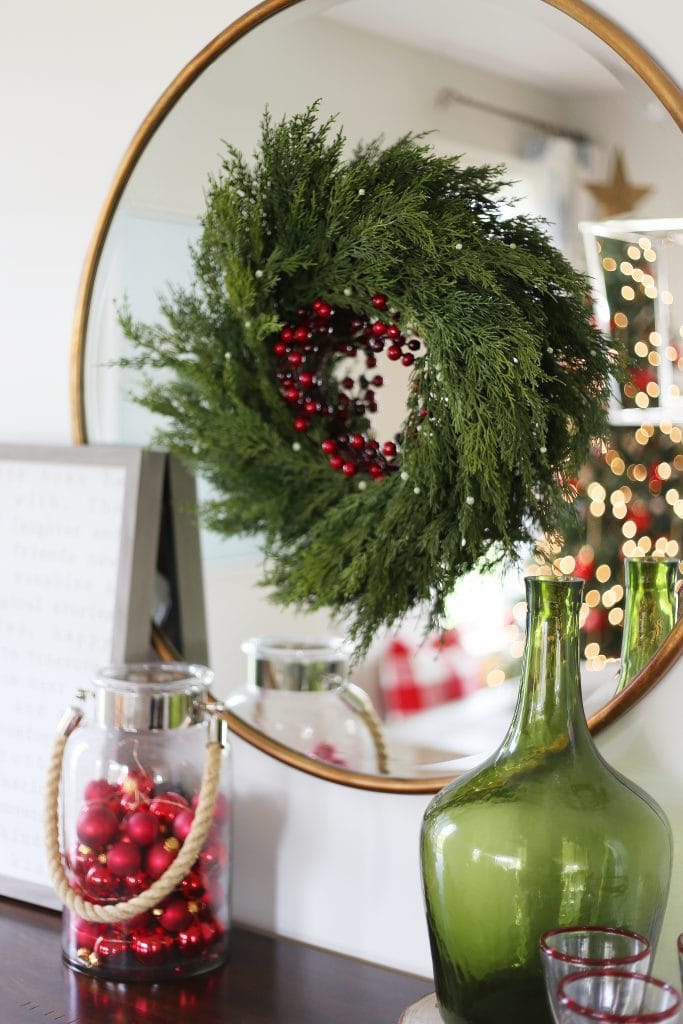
(415,675)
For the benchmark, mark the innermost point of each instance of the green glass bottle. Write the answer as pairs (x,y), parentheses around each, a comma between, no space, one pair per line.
(543,834)
(650,613)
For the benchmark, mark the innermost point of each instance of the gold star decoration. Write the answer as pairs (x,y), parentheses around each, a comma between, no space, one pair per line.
(618,194)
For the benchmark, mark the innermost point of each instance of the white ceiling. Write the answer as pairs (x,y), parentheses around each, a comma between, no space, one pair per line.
(522,39)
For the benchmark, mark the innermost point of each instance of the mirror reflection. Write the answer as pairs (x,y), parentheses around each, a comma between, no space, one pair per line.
(585,142)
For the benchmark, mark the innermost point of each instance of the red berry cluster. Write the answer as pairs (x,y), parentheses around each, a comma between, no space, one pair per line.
(308,351)
(129,832)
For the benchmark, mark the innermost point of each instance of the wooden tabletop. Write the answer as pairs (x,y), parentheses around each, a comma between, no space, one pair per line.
(267,981)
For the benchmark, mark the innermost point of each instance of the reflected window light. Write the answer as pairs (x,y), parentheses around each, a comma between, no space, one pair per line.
(640,348)
(633,252)
(655,337)
(507,862)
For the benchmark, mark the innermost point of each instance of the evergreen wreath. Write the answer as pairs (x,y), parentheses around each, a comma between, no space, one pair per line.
(308,260)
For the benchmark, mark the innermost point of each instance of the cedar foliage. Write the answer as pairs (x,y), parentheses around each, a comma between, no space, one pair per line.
(515,377)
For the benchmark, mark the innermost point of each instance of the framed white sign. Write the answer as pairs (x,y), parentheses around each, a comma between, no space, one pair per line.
(79,535)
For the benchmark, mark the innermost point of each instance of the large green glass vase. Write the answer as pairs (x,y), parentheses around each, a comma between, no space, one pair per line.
(650,612)
(543,834)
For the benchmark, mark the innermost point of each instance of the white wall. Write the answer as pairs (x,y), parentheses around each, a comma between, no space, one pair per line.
(77,79)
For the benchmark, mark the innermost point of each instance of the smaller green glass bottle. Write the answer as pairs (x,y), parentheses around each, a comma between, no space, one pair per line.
(543,834)
(650,612)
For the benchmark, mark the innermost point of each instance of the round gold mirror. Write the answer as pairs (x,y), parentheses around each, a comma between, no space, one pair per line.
(548,87)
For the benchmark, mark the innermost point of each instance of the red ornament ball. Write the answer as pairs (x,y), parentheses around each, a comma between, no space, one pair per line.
(191,886)
(389,449)
(408,359)
(97,825)
(168,806)
(336,462)
(151,947)
(99,883)
(210,931)
(82,859)
(393,353)
(100,791)
(349,469)
(357,441)
(110,947)
(182,824)
(86,933)
(379,301)
(142,827)
(161,856)
(123,859)
(175,915)
(191,940)
(136,790)
(301,424)
(213,856)
(329,446)
(136,883)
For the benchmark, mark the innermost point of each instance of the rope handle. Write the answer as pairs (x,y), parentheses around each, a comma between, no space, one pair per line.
(114,913)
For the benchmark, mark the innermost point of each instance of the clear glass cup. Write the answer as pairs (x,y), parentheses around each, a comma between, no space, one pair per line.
(584,948)
(615,997)
(680,955)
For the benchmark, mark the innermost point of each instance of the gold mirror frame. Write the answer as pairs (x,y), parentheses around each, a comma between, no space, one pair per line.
(671,97)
